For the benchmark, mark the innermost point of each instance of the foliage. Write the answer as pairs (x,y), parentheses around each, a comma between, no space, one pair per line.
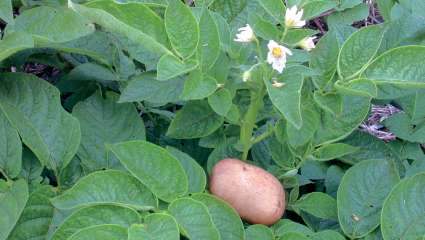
(147,95)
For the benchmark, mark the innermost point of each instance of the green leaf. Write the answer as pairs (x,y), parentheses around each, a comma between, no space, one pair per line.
(35,219)
(182,28)
(196,119)
(327,235)
(198,86)
(324,58)
(194,219)
(136,15)
(158,226)
(263,28)
(299,137)
(293,236)
(333,151)
(330,102)
(285,226)
(275,8)
(104,232)
(107,187)
(169,66)
(103,121)
(358,50)
(254,232)
(31,167)
(401,125)
(385,7)
(10,149)
(361,194)
(153,166)
(33,107)
(209,42)
(195,173)
(6,11)
(403,212)
(114,25)
(162,226)
(314,8)
(145,87)
(52,19)
(317,204)
(357,87)
(398,66)
(94,216)
(287,99)
(348,16)
(333,128)
(221,101)
(13,43)
(294,36)
(92,72)
(13,197)
(224,217)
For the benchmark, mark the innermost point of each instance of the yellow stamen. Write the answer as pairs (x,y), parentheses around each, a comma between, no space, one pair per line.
(277,52)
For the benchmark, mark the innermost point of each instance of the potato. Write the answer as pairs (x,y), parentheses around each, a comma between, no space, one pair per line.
(257,195)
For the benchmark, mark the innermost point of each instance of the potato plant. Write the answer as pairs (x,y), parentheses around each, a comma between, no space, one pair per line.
(113,115)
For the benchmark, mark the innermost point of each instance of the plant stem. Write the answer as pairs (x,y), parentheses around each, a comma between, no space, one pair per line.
(285,32)
(248,123)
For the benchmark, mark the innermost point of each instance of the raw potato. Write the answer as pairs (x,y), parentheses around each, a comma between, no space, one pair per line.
(257,195)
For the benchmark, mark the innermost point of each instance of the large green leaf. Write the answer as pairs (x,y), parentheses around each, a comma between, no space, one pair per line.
(316,7)
(403,213)
(221,101)
(103,121)
(324,59)
(358,50)
(224,217)
(327,235)
(195,173)
(194,219)
(52,20)
(33,107)
(182,28)
(35,219)
(169,66)
(401,125)
(287,98)
(162,226)
(318,204)
(93,216)
(101,232)
(114,25)
(209,42)
(301,136)
(157,226)
(399,66)
(13,197)
(13,43)
(107,187)
(6,11)
(333,151)
(275,8)
(361,194)
(333,128)
(10,149)
(153,166)
(145,87)
(254,232)
(136,15)
(196,119)
(198,86)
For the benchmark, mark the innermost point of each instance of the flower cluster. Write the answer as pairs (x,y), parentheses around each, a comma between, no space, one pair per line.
(277,53)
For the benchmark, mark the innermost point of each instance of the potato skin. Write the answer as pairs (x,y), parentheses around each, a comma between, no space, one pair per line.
(257,195)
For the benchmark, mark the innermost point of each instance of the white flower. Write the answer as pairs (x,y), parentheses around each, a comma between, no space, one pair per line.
(277,55)
(246,76)
(293,18)
(277,84)
(246,34)
(307,43)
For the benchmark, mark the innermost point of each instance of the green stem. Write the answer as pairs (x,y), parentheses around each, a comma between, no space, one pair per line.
(285,32)
(248,123)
